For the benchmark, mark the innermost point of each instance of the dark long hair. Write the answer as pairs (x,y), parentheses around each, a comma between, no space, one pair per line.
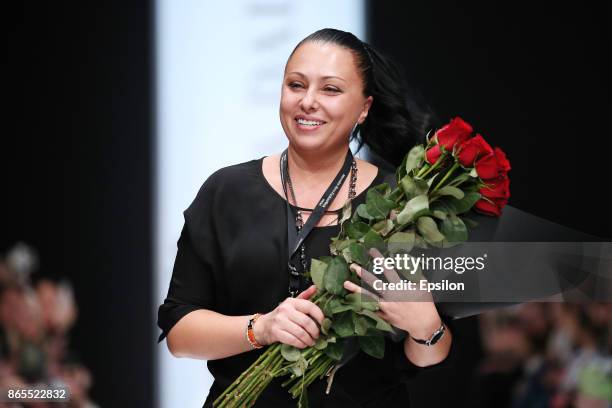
(395,122)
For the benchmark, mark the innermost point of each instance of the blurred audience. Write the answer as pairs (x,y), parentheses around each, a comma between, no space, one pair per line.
(554,355)
(35,319)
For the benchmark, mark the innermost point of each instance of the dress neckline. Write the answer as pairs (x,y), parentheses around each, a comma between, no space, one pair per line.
(280,197)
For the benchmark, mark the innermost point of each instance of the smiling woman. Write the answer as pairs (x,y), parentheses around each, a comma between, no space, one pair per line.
(238,281)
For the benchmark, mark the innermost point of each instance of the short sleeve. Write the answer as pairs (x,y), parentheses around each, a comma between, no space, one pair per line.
(193,282)
(408,369)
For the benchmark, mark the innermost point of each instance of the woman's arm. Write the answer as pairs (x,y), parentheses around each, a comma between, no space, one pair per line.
(208,335)
(422,355)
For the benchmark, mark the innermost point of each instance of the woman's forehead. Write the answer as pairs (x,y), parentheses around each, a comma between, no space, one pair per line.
(323,60)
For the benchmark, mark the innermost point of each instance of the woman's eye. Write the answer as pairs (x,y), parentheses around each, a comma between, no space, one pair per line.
(294,85)
(328,89)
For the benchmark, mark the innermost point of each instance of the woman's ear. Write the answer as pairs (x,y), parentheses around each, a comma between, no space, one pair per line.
(366,107)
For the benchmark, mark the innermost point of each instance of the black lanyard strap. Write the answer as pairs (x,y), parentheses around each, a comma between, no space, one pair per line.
(295,238)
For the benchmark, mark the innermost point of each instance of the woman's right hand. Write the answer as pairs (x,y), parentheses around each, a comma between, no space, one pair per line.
(292,322)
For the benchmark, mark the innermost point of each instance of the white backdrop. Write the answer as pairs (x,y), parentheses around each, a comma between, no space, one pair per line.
(218,76)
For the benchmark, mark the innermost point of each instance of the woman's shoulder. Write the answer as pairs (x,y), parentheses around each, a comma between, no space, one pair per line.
(225,180)
(233,171)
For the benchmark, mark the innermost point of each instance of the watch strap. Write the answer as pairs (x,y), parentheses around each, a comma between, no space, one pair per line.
(434,338)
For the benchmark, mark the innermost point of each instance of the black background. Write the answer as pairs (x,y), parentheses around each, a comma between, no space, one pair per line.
(77,147)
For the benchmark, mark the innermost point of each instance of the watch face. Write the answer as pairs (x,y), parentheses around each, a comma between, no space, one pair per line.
(437,337)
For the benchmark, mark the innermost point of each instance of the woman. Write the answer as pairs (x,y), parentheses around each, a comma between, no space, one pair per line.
(232,259)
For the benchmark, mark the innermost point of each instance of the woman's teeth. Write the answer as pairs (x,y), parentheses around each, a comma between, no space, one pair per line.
(309,122)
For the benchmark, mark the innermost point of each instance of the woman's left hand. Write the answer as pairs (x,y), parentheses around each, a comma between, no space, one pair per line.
(412,310)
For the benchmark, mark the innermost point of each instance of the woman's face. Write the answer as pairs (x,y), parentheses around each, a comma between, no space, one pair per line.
(322,97)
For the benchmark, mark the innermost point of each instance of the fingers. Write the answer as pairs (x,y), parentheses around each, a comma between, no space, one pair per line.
(304,322)
(304,339)
(307,294)
(309,308)
(390,273)
(348,285)
(287,338)
(295,320)
(364,274)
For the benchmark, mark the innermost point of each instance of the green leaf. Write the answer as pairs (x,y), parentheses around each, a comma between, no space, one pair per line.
(290,353)
(329,305)
(439,214)
(381,324)
(470,223)
(359,302)
(429,230)
(343,324)
(413,187)
(358,253)
(372,239)
(400,242)
(325,326)
(413,209)
(334,350)
(336,273)
(357,230)
(362,211)
(317,272)
(454,230)
(373,345)
(340,307)
(383,227)
(320,344)
(450,191)
(466,203)
(460,179)
(377,205)
(419,242)
(414,158)
(346,211)
(382,188)
(361,324)
(299,367)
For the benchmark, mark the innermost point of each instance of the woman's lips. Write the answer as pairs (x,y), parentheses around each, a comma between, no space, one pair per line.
(308,128)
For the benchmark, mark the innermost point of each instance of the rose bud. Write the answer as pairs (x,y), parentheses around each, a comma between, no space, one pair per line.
(502,161)
(496,188)
(487,167)
(455,132)
(490,207)
(472,149)
(432,154)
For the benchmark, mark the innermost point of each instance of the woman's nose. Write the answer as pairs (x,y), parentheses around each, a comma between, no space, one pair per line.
(309,101)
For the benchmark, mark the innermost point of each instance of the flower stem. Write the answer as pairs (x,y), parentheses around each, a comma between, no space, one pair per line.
(435,165)
(446,176)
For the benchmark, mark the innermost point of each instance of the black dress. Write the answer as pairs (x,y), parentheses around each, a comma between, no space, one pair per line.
(232,257)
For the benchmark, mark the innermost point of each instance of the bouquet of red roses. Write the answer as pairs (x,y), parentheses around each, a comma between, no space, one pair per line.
(437,183)
(455,144)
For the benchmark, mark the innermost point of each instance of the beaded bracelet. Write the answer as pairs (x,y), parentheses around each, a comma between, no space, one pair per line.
(249,332)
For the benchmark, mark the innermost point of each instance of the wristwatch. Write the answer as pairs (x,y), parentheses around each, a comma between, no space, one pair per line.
(434,338)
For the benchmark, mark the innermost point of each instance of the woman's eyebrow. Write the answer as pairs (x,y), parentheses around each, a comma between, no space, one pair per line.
(325,77)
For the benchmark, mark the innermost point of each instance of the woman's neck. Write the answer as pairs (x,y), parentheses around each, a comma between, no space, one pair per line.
(309,169)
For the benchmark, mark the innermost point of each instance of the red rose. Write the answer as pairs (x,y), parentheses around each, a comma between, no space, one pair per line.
(487,167)
(432,154)
(472,149)
(496,188)
(502,161)
(456,132)
(491,207)
(493,165)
